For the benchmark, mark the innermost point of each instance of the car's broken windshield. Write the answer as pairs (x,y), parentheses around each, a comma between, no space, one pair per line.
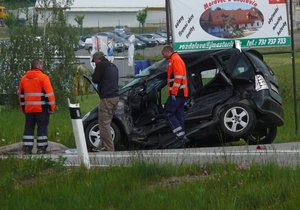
(155,68)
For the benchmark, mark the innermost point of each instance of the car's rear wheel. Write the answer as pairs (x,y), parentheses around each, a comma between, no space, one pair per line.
(92,135)
(262,136)
(237,120)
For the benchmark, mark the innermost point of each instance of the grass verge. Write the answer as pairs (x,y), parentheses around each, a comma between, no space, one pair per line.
(26,184)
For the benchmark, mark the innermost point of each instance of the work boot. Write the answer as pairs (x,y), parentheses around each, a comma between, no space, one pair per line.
(41,150)
(185,140)
(177,144)
(27,150)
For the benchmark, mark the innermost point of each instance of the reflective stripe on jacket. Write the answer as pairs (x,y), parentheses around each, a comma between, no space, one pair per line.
(35,91)
(177,78)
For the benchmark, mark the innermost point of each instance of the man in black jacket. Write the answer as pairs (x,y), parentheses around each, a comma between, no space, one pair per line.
(106,75)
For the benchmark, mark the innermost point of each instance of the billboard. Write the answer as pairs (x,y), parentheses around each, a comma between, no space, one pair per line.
(215,24)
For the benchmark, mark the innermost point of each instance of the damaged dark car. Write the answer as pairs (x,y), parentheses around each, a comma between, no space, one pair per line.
(233,95)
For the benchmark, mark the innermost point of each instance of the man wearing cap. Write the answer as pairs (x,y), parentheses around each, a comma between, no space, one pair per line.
(106,76)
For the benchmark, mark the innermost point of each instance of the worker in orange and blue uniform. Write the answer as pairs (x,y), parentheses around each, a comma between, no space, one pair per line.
(178,93)
(37,101)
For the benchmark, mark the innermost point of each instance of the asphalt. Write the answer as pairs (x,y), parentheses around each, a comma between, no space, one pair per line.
(287,154)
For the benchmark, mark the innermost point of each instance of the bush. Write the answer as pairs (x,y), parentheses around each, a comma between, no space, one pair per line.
(53,44)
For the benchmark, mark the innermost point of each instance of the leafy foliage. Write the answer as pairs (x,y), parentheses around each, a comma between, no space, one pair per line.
(13,4)
(141,17)
(79,20)
(54,44)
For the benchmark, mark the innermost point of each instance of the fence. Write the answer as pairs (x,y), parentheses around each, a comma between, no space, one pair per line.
(126,73)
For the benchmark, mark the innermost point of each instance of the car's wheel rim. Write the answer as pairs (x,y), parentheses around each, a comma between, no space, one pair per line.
(94,135)
(260,135)
(236,119)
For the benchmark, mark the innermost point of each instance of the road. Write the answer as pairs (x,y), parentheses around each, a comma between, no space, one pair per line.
(285,154)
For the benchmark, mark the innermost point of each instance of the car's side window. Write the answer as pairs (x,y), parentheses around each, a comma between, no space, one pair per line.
(207,75)
(202,74)
(242,69)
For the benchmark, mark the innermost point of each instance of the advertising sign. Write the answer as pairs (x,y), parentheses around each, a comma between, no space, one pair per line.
(215,24)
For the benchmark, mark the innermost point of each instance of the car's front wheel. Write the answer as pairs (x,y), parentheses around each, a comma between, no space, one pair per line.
(237,120)
(92,135)
(262,136)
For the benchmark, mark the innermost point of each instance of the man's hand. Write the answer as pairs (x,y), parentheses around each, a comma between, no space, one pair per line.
(173,98)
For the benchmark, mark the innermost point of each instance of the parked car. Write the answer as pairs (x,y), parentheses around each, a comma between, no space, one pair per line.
(138,44)
(118,46)
(124,28)
(123,34)
(164,34)
(147,41)
(233,95)
(160,40)
(116,38)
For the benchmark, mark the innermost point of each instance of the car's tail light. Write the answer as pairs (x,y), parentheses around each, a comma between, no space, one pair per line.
(260,83)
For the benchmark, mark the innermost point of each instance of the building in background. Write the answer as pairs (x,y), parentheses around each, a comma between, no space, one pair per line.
(110,13)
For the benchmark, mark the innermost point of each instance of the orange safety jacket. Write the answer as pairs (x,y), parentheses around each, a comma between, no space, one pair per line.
(35,91)
(177,78)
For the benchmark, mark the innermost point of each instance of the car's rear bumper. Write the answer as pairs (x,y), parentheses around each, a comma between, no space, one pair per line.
(270,111)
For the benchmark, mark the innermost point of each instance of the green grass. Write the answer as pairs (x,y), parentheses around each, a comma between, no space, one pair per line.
(60,126)
(4,33)
(27,184)
(282,66)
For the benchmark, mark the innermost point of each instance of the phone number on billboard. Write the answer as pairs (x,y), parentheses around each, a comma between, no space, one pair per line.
(266,42)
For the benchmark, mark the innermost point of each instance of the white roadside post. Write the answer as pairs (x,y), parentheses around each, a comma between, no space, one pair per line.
(79,134)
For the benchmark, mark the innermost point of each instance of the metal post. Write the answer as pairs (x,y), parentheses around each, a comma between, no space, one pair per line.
(168,20)
(293,66)
(79,134)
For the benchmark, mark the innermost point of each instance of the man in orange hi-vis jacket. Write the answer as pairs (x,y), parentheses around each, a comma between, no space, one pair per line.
(178,92)
(37,101)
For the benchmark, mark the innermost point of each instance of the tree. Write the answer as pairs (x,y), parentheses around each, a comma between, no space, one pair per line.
(79,21)
(53,43)
(141,17)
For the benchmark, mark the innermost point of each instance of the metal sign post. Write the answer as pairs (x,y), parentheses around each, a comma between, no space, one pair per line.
(293,66)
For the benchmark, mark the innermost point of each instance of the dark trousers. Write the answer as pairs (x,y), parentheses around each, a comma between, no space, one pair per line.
(40,119)
(175,115)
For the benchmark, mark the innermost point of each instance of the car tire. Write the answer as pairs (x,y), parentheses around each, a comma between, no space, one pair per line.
(237,120)
(92,135)
(262,136)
